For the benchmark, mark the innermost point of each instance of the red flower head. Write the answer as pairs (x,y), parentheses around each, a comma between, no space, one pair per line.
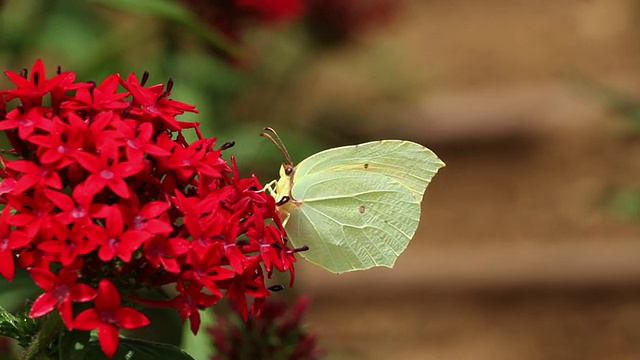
(103,189)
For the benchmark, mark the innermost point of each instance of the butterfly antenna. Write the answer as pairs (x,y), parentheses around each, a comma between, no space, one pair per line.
(279,143)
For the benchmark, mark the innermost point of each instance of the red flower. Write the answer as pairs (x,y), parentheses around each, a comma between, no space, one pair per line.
(109,317)
(34,174)
(153,103)
(162,252)
(208,269)
(107,170)
(67,243)
(10,240)
(26,121)
(78,208)
(95,99)
(150,218)
(190,301)
(61,144)
(250,282)
(115,240)
(31,91)
(60,291)
(136,138)
(32,212)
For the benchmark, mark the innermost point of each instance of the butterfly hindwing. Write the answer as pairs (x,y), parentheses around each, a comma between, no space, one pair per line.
(367,222)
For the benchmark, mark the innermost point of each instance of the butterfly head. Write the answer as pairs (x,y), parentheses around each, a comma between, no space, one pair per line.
(285,183)
(287,170)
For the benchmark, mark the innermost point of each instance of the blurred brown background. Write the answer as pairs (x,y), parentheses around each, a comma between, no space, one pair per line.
(529,246)
(520,253)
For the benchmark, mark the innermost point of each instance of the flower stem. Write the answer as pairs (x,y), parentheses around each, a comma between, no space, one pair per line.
(42,341)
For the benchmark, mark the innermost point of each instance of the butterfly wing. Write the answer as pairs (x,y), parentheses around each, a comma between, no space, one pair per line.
(359,206)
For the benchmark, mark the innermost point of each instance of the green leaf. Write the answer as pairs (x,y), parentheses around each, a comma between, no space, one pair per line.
(132,349)
(174,12)
(72,344)
(7,319)
(166,9)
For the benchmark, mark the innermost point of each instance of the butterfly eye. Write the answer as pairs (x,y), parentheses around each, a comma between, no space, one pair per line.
(288,170)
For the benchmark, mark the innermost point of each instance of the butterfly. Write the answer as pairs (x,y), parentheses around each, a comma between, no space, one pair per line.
(355,207)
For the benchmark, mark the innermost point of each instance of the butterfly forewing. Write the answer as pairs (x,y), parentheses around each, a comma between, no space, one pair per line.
(357,206)
(410,164)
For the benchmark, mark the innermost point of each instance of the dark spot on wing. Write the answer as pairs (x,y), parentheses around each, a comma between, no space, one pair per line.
(366,166)
(361,209)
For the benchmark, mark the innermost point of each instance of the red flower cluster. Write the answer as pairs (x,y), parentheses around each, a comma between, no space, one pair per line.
(102,196)
(229,16)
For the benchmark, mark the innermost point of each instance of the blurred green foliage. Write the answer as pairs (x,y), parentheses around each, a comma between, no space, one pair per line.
(625,203)
(96,38)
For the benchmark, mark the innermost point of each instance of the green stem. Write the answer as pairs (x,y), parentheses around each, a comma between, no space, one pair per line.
(42,341)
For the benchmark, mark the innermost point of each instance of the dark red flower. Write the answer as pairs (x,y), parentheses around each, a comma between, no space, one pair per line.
(273,10)
(231,17)
(278,333)
(334,22)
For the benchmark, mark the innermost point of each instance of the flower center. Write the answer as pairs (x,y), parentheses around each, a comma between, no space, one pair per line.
(26,122)
(133,144)
(112,242)
(70,244)
(4,244)
(78,212)
(138,222)
(108,317)
(61,292)
(106,174)
(152,109)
